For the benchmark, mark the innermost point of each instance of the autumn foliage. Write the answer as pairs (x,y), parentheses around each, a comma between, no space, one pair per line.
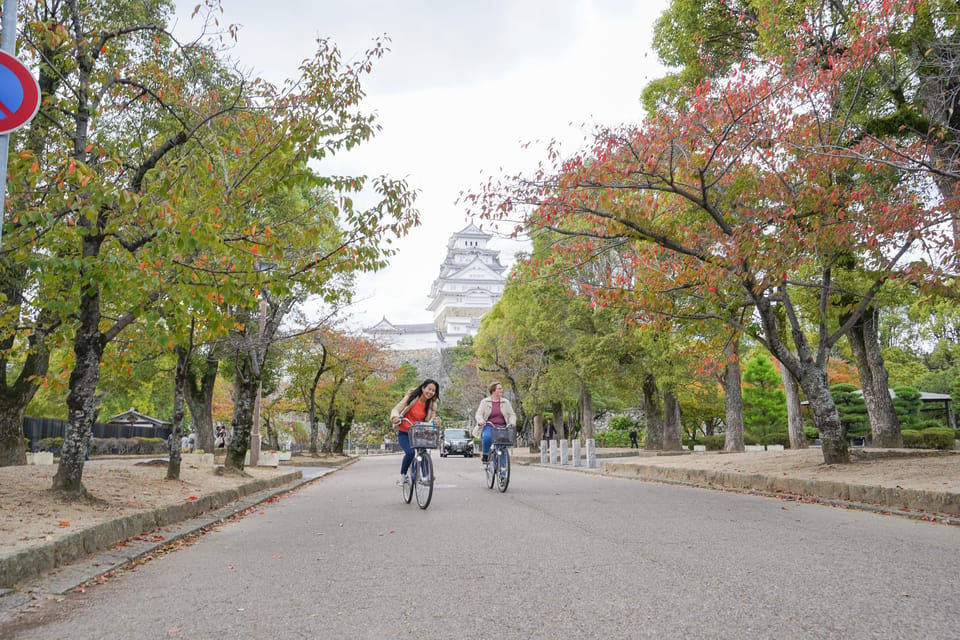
(744,200)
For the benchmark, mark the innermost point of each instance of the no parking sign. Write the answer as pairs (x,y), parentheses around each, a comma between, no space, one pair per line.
(19,94)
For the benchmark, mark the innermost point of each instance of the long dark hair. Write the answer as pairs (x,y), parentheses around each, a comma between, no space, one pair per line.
(418,391)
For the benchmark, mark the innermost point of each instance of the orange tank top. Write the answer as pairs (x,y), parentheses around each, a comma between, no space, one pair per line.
(416,413)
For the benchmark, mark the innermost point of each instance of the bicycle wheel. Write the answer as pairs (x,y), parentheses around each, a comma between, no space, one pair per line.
(424,486)
(488,467)
(503,475)
(411,478)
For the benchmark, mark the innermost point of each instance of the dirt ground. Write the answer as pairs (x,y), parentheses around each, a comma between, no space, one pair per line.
(905,468)
(33,515)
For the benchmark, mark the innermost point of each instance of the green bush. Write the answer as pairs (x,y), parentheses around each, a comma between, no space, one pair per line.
(713,443)
(53,445)
(938,438)
(852,409)
(749,438)
(912,439)
(930,423)
(781,437)
(608,438)
(812,433)
(907,404)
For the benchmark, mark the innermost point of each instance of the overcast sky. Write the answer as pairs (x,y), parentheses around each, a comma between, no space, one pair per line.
(465,84)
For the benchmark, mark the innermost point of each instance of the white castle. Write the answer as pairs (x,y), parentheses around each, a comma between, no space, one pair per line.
(471,281)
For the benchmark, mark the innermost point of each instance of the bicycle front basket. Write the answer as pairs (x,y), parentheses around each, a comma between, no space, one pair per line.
(504,435)
(423,435)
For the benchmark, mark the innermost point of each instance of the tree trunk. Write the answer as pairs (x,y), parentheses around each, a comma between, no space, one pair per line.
(798,439)
(199,397)
(653,410)
(825,415)
(537,433)
(557,411)
(874,381)
(273,439)
(15,397)
(12,449)
(179,384)
(312,402)
(672,430)
(811,374)
(82,401)
(586,412)
(242,424)
(733,399)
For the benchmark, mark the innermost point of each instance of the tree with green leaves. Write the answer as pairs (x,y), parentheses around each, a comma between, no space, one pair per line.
(153,176)
(764,401)
(852,408)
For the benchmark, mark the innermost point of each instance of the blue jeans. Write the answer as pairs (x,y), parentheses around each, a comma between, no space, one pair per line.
(486,439)
(403,439)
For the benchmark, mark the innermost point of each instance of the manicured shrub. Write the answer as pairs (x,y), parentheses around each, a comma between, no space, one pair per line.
(776,438)
(907,404)
(938,438)
(912,439)
(713,443)
(53,445)
(812,433)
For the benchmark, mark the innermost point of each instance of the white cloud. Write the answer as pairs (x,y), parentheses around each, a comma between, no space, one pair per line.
(464,86)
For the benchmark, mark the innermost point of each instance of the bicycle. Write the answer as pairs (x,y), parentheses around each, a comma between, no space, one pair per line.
(497,466)
(419,478)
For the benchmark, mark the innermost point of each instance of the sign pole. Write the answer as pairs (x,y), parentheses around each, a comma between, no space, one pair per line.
(8,43)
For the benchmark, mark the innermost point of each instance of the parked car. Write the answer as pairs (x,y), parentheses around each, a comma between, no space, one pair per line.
(457,442)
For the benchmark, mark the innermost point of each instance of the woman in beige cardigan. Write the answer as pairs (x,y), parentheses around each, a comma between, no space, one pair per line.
(493,410)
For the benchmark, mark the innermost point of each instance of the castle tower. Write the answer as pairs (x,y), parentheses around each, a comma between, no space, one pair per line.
(471,281)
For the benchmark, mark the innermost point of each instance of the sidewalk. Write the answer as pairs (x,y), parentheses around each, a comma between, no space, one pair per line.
(912,483)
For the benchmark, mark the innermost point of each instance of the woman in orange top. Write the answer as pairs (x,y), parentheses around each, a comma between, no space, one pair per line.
(418,405)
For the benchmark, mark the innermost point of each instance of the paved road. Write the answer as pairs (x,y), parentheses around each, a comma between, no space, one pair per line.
(562,554)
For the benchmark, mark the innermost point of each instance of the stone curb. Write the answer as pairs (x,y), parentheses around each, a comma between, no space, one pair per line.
(23,565)
(915,503)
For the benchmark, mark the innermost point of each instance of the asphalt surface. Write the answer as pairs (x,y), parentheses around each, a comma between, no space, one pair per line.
(560,554)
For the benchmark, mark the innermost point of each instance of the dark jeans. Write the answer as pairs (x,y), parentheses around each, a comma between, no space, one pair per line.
(403,439)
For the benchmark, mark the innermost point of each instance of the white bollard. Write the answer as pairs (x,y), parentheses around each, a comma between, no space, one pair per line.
(563,452)
(576,453)
(554,459)
(544,452)
(592,462)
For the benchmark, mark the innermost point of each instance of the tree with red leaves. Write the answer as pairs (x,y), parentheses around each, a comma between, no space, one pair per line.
(742,200)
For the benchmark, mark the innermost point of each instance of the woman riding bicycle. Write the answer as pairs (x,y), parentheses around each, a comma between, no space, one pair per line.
(493,410)
(418,405)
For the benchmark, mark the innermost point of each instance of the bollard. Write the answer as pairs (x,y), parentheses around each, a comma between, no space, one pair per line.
(544,452)
(576,453)
(592,462)
(554,453)
(563,452)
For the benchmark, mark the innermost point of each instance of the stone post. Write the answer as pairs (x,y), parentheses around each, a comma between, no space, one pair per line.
(544,452)
(563,452)
(554,453)
(576,453)
(592,462)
